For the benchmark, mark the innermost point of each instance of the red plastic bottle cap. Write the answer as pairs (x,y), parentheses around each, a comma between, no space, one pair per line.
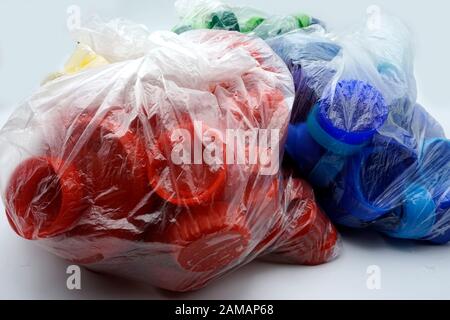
(309,238)
(305,222)
(330,231)
(300,189)
(323,240)
(114,164)
(264,214)
(211,237)
(258,100)
(296,230)
(247,43)
(265,102)
(254,105)
(316,246)
(186,184)
(291,223)
(44,197)
(301,209)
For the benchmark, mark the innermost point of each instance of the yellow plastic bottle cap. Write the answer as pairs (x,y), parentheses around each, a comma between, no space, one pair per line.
(83,58)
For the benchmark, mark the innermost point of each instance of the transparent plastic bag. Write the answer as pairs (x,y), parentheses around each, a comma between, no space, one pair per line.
(375,157)
(212,14)
(123,166)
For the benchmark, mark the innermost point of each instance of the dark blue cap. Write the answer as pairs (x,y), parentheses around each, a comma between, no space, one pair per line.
(435,174)
(372,172)
(329,201)
(417,214)
(326,170)
(353,112)
(328,141)
(435,168)
(302,148)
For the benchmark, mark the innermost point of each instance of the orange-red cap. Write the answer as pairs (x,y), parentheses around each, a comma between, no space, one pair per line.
(186,184)
(44,197)
(308,237)
(207,238)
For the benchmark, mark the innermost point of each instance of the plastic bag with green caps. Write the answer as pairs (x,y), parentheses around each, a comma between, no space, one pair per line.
(213,14)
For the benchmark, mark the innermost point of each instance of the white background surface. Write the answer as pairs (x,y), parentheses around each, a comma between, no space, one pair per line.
(34,41)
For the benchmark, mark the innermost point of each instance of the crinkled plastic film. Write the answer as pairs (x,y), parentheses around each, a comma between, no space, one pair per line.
(89,170)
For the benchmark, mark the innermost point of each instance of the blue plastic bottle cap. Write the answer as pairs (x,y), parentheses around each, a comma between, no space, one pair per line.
(320,50)
(311,158)
(353,112)
(417,215)
(326,170)
(305,95)
(435,165)
(372,183)
(435,171)
(444,201)
(328,141)
(308,59)
(336,213)
(354,199)
(302,148)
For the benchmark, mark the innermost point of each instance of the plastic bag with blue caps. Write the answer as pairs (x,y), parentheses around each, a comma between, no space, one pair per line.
(375,156)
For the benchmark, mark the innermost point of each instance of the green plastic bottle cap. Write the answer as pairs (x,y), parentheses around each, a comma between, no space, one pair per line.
(252,24)
(303,20)
(224,20)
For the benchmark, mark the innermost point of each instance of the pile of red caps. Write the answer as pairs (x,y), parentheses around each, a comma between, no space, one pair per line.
(308,237)
(107,193)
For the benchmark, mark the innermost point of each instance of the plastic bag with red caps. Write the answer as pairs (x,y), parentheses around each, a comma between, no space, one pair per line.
(161,163)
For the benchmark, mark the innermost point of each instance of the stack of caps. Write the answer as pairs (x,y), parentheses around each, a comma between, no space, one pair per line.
(307,237)
(368,171)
